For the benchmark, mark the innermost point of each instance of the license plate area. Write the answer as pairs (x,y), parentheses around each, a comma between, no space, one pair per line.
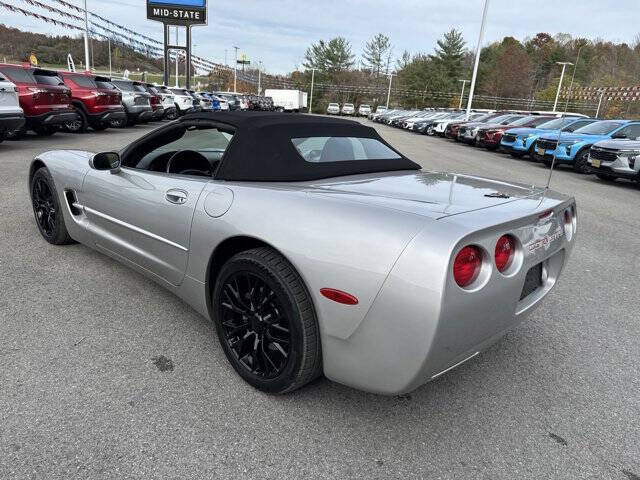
(595,162)
(540,151)
(532,281)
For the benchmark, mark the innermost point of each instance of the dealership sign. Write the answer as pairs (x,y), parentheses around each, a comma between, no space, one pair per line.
(178,12)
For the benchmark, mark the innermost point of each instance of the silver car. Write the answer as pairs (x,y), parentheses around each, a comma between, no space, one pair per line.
(313,245)
(136,102)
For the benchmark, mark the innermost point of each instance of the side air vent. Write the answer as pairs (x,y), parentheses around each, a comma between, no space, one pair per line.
(70,196)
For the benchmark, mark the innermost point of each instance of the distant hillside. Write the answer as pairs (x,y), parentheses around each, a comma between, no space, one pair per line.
(16,46)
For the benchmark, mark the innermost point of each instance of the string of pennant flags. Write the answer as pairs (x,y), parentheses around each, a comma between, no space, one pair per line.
(628,94)
(44,18)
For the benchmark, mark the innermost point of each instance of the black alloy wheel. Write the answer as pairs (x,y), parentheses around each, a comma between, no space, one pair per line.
(266,322)
(46,209)
(255,324)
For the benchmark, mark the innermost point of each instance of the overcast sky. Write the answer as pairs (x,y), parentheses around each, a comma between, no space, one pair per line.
(279,31)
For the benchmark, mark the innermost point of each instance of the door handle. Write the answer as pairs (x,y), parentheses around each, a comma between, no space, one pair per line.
(176,196)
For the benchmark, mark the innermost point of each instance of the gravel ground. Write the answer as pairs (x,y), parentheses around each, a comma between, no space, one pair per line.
(105,375)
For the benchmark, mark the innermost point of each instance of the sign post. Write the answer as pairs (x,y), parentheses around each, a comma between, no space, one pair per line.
(177,13)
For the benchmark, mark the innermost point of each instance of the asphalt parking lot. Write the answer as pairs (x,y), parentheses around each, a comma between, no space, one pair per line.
(104,374)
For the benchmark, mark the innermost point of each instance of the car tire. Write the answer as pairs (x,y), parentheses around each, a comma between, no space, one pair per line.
(171,115)
(279,356)
(44,131)
(47,209)
(79,125)
(18,134)
(581,164)
(606,177)
(121,122)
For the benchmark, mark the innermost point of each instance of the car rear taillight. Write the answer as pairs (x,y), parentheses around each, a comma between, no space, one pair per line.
(466,266)
(505,252)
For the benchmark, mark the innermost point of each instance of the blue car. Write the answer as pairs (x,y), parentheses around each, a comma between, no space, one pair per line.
(573,148)
(519,141)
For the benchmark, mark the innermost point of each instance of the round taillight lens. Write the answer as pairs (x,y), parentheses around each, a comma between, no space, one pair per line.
(466,266)
(505,251)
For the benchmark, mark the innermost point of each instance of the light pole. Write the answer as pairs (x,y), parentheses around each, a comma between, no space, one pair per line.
(462,93)
(564,65)
(259,76)
(391,75)
(599,103)
(477,60)
(235,71)
(313,74)
(566,105)
(86,37)
(177,60)
(110,57)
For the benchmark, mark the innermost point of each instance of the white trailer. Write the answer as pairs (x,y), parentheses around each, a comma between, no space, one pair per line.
(287,100)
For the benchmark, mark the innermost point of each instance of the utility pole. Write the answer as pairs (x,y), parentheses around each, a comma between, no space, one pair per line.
(564,65)
(313,75)
(235,71)
(259,76)
(391,75)
(86,37)
(462,93)
(477,60)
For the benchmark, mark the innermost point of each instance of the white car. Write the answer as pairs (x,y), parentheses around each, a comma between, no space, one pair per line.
(333,109)
(348,109)
(364,110)
(11,115)
(184,101)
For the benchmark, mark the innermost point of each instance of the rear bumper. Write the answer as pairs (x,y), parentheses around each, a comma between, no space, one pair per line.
(10,122)
(52,118)
(139,113)
(108,116)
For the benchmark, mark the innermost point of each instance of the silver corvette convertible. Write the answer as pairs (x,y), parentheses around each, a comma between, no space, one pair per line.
(312,244)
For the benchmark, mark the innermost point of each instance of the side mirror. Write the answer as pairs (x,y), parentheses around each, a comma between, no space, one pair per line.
(618,135)
(106,161)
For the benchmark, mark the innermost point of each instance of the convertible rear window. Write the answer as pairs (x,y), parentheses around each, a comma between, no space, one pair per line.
(341,149)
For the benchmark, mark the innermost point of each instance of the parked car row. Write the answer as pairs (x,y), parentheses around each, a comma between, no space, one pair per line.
(349,109)
(46,101)
(608,148)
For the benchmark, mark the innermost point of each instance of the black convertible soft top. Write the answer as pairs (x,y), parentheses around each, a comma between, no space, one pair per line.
(262,150)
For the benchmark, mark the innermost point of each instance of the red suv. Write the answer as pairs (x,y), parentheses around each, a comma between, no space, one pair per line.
(97,101)
(43,96)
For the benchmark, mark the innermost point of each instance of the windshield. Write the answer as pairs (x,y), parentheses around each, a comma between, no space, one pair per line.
(124,86)
(600,128)
(342,149)
(48,79)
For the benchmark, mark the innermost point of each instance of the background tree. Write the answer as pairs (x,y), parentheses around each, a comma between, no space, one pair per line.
(377,54)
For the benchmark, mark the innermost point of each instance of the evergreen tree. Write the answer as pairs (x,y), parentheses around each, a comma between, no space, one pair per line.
(333,56)
(377,53)
(449,56)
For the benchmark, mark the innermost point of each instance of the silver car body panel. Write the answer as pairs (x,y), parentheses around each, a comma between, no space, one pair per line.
(389,239)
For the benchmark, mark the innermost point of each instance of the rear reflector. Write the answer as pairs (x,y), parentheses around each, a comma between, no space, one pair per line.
(339,296)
